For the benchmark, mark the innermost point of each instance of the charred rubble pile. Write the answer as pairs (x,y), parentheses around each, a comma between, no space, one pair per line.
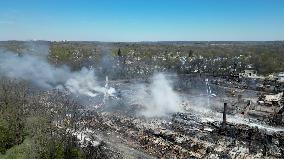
(257,98)
(183,135)
(257,141)
(117,131)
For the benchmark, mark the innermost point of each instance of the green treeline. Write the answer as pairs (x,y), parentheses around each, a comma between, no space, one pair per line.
(27,128)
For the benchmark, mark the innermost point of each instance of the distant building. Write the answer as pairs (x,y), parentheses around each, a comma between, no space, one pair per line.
(249,74)
(281,77)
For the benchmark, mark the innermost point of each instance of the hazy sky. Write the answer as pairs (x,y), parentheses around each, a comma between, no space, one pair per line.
(142,20)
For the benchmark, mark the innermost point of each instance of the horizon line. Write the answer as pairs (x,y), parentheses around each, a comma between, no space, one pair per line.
(146,41)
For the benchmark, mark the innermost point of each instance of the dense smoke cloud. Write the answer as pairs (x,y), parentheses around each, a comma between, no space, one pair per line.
(36,69)
(84,82)
(159,99)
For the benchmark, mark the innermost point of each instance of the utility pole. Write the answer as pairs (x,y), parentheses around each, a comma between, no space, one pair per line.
(224,116)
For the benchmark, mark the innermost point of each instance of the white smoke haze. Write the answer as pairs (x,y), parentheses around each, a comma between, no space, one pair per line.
(159,99)
(41,50)
(37,70)
(32,68)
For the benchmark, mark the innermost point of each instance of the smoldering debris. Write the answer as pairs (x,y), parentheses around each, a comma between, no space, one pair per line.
(185,135)
(197,132)
(156,119)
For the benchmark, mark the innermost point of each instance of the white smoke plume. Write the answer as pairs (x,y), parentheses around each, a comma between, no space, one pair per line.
(84,82)
(37,70)
(160,99)
(32,68)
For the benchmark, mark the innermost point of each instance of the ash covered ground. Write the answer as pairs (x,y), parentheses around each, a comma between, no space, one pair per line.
(125,126)
(122,105)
